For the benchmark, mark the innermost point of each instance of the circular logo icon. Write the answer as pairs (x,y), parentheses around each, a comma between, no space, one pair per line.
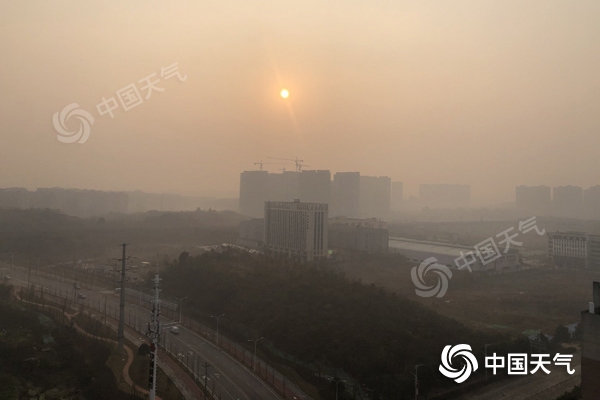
(85,123)
(469,362)
(418,273)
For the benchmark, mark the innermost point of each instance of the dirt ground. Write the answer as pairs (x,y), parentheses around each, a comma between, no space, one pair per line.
(513,302)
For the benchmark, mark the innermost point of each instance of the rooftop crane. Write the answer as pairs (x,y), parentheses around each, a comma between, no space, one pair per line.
(261,163)
(299,163)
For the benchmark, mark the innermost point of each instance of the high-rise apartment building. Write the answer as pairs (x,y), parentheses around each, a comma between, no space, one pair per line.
(314,186)
(254,191)
(375,196)
(345,194)
(567,201)
(284,186)
(591,202)
(397,196)
(445,195)
(533,200)
(296,229)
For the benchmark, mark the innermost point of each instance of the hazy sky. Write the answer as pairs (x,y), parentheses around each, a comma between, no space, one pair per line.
(488,93)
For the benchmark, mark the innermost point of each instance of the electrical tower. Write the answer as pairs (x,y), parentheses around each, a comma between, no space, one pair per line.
(154,334)
(121,333)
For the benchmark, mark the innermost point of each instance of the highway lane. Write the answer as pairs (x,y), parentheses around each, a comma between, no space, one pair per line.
(232,380)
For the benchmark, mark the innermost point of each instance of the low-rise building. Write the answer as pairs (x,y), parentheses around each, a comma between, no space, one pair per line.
(367,235)
(418,251)
(574,250)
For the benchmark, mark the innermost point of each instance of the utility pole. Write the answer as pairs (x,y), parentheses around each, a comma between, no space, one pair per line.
(254,359)
(206,365)
(180,307)
(154,334)
(121,334)
(417,381)
(217,318)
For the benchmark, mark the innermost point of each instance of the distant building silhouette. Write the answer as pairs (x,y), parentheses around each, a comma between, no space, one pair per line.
(445,195)
(375,196)
(314,186)
(296,229)
(284,186)
(567,201)
(345,194)
(397,196)
(591,202)
(254,191)
(533,200)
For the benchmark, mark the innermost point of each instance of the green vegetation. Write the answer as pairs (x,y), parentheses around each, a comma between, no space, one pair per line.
(42,236)
(320,319)
(41,357)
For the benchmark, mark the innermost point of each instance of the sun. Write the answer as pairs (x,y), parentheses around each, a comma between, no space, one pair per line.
(284,93)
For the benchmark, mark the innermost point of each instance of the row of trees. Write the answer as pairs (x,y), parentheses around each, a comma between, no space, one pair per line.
(320,318)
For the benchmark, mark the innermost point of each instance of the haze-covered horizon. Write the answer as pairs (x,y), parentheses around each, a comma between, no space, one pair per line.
(492,94)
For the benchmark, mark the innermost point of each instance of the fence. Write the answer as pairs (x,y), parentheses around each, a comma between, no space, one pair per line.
(246,358)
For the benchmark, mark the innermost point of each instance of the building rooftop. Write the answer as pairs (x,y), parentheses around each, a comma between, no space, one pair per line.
(449,249)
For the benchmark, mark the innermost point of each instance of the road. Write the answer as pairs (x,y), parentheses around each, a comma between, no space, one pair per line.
(539,386)
(230,379)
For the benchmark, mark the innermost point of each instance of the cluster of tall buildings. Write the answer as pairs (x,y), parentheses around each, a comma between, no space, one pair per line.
(560,201)
(347,194)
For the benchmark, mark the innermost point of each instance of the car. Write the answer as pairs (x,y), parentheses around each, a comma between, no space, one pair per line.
(81,296)
(174,329)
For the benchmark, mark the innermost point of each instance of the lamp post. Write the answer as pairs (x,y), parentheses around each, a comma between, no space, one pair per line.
(337,382)
(180,306)
(417,381)
(217,318)
(196,359)
(254,359)
(485,353)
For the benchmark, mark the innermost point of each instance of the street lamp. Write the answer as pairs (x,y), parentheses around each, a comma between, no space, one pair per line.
(254,359)
(337,382)
(180,306)
(485,353)
(417,381)
(217,317)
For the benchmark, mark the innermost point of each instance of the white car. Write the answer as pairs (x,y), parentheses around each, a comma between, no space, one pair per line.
(174,329)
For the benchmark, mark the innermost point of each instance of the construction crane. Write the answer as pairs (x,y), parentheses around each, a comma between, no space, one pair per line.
(299,163)
(261,163)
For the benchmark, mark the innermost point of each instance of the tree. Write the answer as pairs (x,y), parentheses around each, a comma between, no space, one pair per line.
(561,335)
(183,257)
(143,350)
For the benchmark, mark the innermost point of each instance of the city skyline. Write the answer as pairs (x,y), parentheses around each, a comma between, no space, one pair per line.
(421,92)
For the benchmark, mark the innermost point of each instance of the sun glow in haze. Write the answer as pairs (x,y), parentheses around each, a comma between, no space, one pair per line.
(284,93)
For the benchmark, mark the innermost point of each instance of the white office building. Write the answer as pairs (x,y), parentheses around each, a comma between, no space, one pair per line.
(297,230)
